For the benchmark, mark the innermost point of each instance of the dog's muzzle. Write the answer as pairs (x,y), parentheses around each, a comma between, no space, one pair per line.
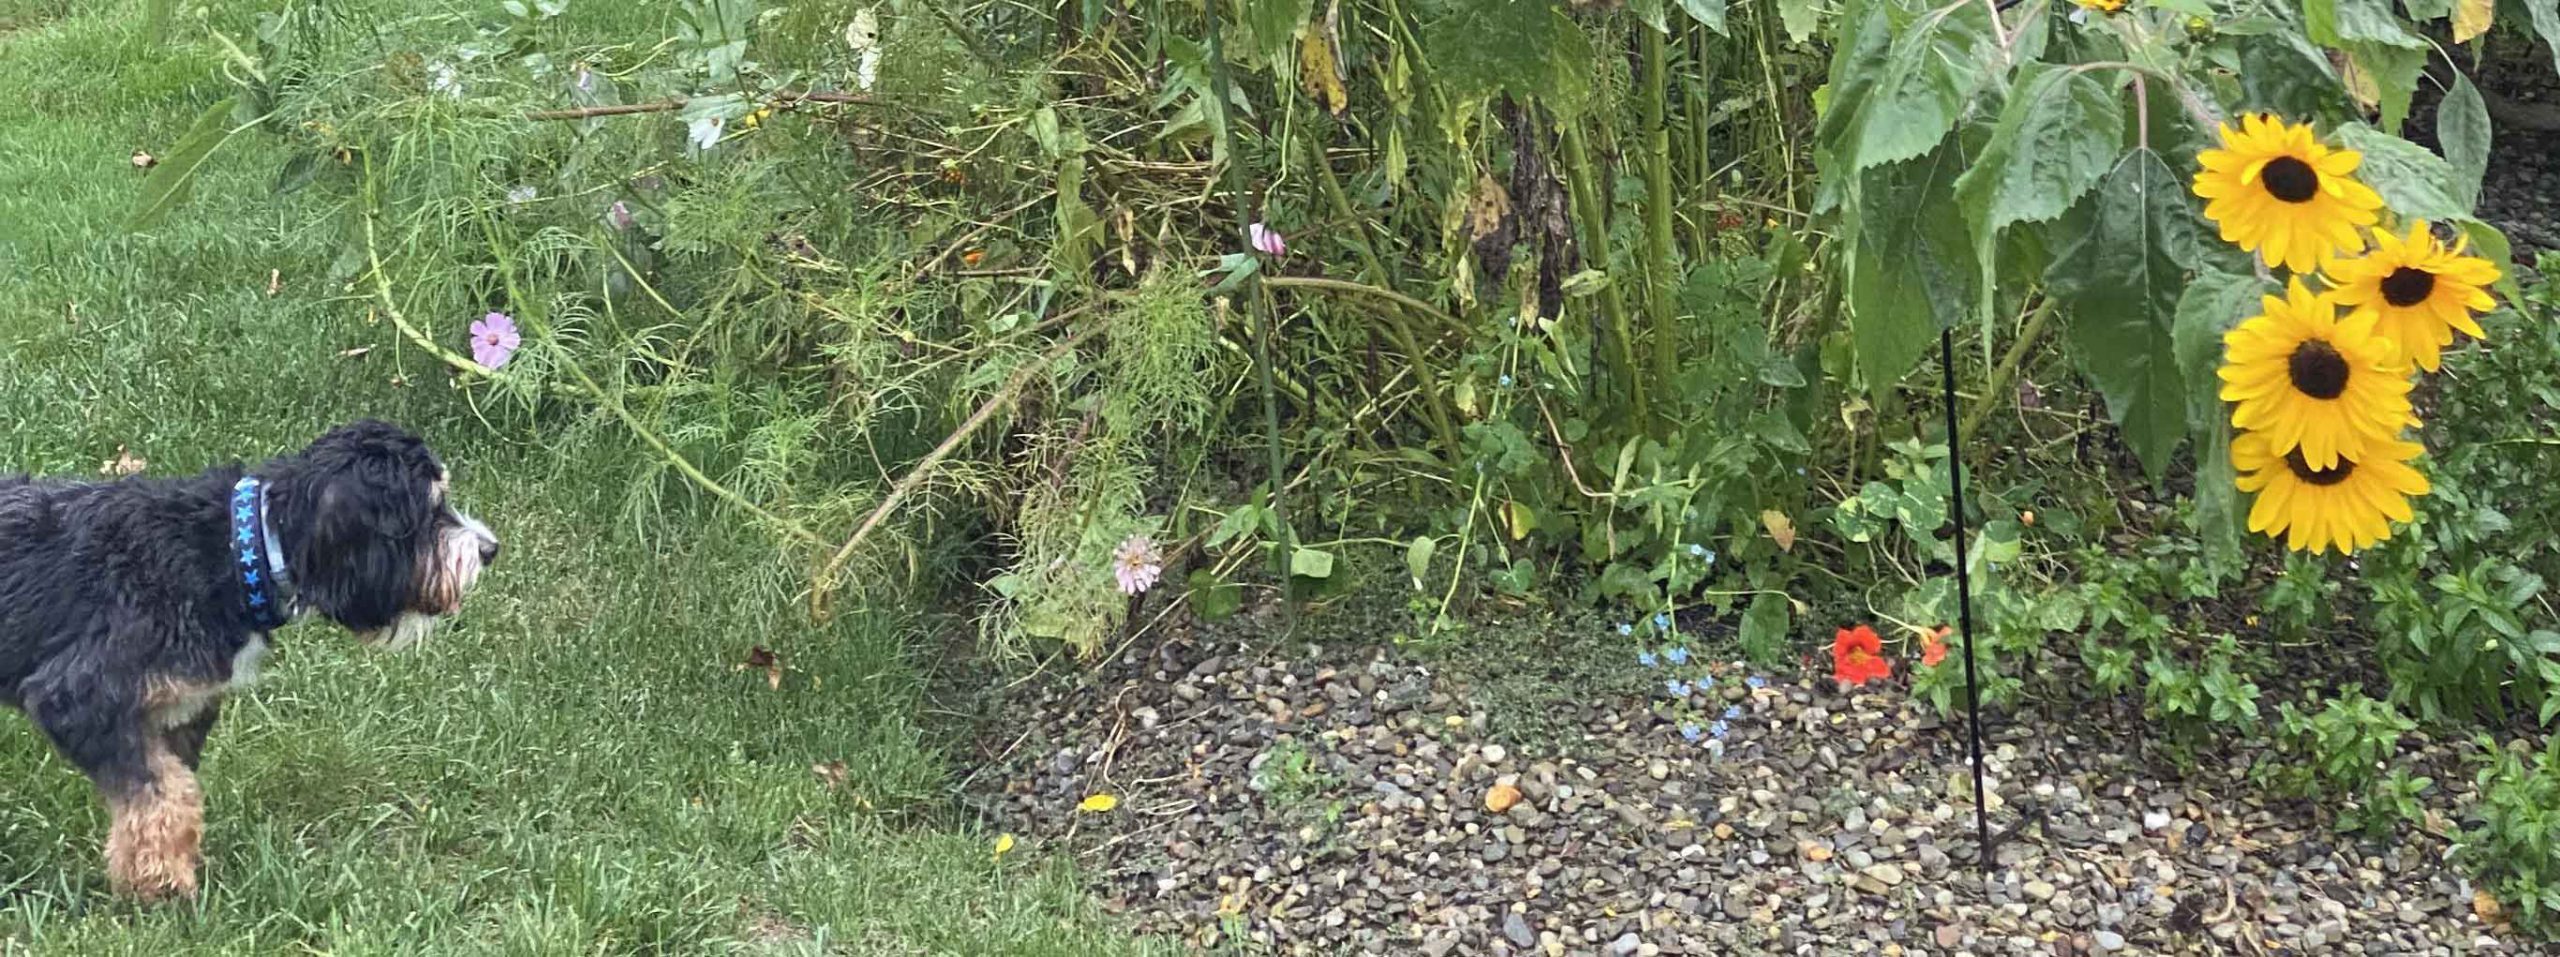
(462,553)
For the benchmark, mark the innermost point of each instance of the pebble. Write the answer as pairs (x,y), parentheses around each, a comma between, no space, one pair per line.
(2108,941)
(1626,944)
(1516,928)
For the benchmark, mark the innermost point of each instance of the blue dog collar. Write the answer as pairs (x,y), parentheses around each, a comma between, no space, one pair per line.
(266,591)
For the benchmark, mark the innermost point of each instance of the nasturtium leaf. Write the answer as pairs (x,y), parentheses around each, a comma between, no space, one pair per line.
(2121,265)
(1911,264)
(2415,183)
(1939,58)
(2056,137)
(2462,130)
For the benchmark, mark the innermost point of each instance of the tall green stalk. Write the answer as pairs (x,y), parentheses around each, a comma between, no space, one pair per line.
(1253,296)
(1583,181)
(1435,405)
(1662,324)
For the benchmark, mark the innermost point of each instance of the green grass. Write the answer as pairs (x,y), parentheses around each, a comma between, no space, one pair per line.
(575,766)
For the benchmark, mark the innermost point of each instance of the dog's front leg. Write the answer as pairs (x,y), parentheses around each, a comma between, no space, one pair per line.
(151,792)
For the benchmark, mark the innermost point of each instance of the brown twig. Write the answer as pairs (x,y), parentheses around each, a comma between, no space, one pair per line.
(677,103)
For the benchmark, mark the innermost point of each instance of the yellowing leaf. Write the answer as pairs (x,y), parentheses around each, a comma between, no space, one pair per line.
(1320,61)
(1782,529)
(1487,208)
(2359,82)
(1004,845)
(1098,804)
(2471,18)
(1522,519)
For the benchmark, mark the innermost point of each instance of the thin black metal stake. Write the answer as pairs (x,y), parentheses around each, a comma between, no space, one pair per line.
(1964,597)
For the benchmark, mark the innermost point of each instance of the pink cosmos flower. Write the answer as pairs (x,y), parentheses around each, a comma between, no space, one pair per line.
(618,215)
(1137,564)
(1267,240)
(494,339)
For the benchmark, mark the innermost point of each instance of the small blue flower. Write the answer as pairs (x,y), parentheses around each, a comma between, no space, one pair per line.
(1732,712)
(1706,681)
(1646,659)
(1719,730)
(1756,682)
(1626,629)
(1506,380)
(1677,687)
(1710,556)
(1662,622)
(1689,731)
(1677,656)
(1697,551)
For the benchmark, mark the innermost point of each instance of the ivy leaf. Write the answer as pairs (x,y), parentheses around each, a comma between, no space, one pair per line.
(1935,64)
(2055,139)
(1911,267)
(2462,129)
(2122,271)
(2415,183)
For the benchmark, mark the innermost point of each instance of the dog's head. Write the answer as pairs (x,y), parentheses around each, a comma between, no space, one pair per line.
(370,535)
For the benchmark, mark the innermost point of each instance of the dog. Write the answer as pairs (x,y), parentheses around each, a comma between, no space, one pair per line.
(128,609)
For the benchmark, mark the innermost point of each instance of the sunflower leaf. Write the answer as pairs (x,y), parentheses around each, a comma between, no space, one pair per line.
(2121,264)
(2489,243)
(2214,302)
(1938,60)
(2056,137)
(1911,266)
(2462,128)
(2413,182)
(2545,15)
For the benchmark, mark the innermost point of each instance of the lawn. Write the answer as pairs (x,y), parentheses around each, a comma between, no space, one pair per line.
(576,765)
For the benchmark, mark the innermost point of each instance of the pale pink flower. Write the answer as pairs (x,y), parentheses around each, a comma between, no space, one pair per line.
(494,339)
(1137,564)
(1267,240)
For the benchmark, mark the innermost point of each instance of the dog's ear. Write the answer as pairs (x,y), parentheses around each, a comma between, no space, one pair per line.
(363,508)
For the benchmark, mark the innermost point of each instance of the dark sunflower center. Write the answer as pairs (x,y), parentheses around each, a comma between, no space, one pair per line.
(2407,287)
(2318,370)
(2289,179)
(2328,476)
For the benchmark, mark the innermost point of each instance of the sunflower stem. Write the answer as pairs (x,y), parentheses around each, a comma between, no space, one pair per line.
(2008,367)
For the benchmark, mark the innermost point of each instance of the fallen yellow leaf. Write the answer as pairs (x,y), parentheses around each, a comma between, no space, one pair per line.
(1781,529)
(1004,845)
(1320,62)
(1098,804)
(2471,18)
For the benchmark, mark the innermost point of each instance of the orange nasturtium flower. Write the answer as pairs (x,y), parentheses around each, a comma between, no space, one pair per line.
(1857,656)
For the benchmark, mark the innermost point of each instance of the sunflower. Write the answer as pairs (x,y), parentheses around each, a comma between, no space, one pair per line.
(2422,289)
(2101,6)
(2276,191)
(2348,506)
(2313,381)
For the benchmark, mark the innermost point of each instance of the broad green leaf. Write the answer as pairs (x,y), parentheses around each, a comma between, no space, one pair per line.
(1271,28)
(2415,183)
(2214,302)
(1709,12)
(1213,597)
(2393,71)
(2339,23)
(2490,244)
(1417,557)
(1801,18)
(2545,15)
(2056,137)
(2462,129)
(1311,563)
(2281,74)
(1856,62)
(1525,47)
(1650,12)
(1937,61)
(1911,264)
(1765,626)
(170,182)
(2121,265)
(2425,10)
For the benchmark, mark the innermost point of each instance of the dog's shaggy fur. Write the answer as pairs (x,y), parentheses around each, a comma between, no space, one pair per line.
(124,617)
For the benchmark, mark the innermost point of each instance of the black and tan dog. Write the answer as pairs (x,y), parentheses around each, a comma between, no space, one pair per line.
(129,608)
